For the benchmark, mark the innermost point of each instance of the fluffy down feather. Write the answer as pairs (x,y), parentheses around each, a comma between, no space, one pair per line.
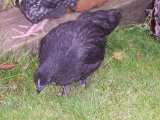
(73,50)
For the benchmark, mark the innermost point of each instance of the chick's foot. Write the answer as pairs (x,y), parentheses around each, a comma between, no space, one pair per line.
(31,29)
(28,33)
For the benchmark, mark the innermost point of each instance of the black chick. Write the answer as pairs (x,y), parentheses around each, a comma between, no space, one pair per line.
(73,50)
(40,11)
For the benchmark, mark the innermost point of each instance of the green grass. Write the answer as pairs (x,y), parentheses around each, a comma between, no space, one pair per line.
(12,2)
(127,89)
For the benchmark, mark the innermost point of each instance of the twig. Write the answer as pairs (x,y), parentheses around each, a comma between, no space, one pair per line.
(108,61)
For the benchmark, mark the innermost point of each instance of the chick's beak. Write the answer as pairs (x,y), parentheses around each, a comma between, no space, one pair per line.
(39,87)
(38,91)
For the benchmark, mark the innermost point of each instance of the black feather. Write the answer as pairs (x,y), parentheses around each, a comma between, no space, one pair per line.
(74,50)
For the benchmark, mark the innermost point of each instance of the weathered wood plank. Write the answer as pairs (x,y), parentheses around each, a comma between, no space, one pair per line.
(10,15)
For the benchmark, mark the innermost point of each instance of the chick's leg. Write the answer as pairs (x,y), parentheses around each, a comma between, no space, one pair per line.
(28,33)
(85,82)
(66,90)
(31,31)
(24,26)
(21,26)
(41,26)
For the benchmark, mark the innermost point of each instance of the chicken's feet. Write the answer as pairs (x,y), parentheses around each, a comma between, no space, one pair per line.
(24,26)
(18,31)
(28,33)
(31,29)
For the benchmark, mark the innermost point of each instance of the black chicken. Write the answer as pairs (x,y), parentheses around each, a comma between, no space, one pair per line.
(40,11)
(73,50)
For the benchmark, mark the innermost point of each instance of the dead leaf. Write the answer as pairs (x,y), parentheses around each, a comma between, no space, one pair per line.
(4,66)
(139,55)
(118,55)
